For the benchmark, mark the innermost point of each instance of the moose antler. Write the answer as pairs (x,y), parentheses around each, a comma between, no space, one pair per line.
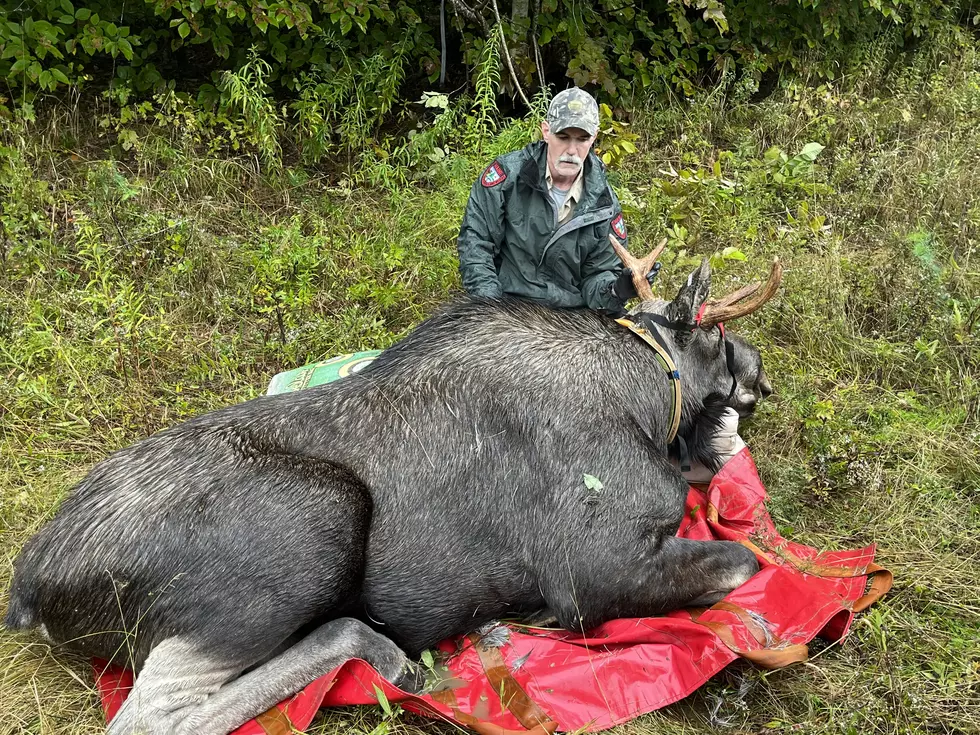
(728,307)
(639,266)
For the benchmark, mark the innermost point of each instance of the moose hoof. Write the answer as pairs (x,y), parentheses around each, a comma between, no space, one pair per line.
(411,679)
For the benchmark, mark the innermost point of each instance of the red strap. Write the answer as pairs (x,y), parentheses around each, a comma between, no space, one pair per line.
(700,315)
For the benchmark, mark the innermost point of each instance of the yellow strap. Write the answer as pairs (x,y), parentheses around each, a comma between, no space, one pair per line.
(668,365)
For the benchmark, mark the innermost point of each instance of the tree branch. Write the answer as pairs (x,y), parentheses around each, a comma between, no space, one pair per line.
(510,64)
(610,11)
(471,15)
(534,40)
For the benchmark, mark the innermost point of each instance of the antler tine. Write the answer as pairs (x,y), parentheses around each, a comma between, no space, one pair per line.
(727,309)
(735,296)
(639,266)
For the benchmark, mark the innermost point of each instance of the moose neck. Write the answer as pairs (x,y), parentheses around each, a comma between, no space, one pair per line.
(701,413)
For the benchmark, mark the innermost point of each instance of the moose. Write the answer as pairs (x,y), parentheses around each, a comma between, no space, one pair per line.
(234,558)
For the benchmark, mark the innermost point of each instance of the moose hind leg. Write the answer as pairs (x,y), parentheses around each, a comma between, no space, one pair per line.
(322,650)
(700,573)
(252,585)
(177,674)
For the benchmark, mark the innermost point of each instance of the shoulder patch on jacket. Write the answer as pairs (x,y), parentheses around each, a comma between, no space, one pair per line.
(619,227)
(493,175)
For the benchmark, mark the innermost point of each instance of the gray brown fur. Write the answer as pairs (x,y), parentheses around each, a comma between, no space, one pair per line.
(439,489)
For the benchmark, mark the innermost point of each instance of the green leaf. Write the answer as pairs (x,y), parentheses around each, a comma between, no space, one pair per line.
(67,6)
(810,151)
(592,483)
(59,75)
(83,14)
(128,139)
(382,700)
(773,154)
(717,16)
(184,29)
(362,20)
(427,658)
(733,253)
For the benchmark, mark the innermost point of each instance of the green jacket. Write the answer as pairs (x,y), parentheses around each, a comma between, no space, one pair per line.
(510,242)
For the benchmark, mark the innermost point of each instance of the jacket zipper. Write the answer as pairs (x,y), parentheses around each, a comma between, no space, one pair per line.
(573,224)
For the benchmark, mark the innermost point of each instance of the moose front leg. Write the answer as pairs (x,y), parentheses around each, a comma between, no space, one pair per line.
(638,583)
(698,573)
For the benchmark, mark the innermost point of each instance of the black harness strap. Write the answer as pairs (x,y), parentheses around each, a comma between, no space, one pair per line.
(666,360)
(648,324)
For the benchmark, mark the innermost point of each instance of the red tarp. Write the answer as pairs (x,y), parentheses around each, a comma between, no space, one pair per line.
(624,668)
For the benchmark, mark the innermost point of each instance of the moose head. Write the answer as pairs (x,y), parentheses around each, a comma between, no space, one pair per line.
(722,370)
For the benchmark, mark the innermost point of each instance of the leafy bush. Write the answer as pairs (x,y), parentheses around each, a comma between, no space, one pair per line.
(344,64)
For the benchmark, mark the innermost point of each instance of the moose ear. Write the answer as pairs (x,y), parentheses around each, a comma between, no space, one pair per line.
(685,306)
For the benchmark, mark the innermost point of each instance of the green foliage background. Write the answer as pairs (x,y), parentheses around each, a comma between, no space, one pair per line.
(311,52)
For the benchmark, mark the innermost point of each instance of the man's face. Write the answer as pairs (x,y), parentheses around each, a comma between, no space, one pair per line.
(567,151)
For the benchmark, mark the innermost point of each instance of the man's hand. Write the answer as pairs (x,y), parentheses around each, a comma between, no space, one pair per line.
(725,444)
(623,288)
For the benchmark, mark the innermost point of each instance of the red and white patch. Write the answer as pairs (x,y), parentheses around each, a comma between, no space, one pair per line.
(619,227)
(493,175)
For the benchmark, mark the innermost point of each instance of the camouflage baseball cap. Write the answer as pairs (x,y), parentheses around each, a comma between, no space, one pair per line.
(573,108)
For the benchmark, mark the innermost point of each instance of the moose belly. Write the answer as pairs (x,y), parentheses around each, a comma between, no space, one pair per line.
(432,589)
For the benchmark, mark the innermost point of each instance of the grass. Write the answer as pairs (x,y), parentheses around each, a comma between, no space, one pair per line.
(141,288)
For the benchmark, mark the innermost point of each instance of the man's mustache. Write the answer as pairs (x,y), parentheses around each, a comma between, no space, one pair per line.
(569,158)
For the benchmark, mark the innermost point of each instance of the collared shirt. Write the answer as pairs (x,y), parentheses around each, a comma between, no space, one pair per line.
(572,196)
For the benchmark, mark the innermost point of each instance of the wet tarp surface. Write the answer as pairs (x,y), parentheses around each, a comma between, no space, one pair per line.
(543,680)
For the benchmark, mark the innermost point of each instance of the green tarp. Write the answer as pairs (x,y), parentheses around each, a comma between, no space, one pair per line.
(318,373)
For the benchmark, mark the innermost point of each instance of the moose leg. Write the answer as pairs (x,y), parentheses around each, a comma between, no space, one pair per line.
(324,649)
(698,573)
(294,559)
(668,575)
(177,673)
